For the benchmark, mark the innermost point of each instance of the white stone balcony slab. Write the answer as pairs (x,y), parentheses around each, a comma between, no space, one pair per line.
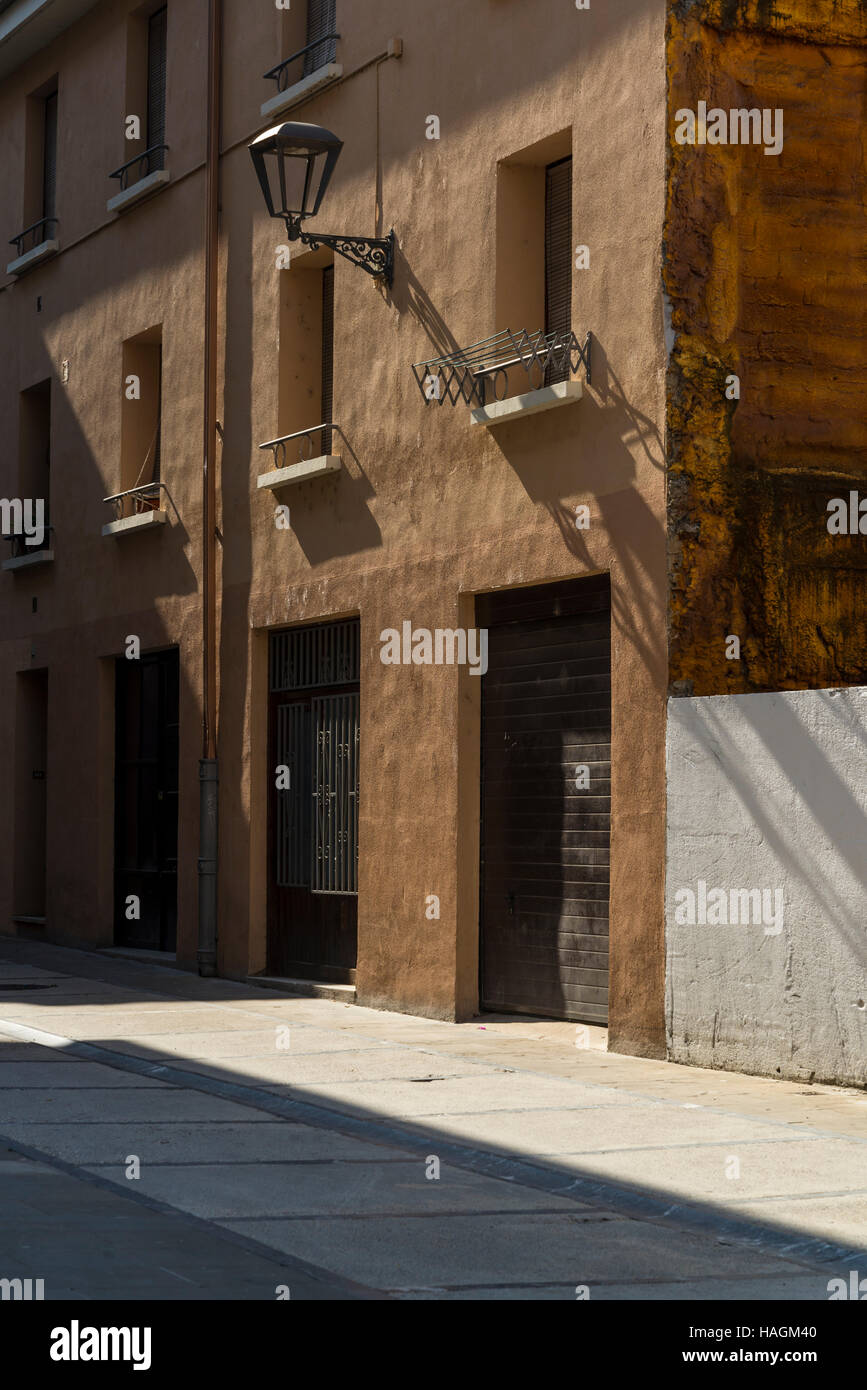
(300,91)
(302,472)
(30,258)
(141,521)
(142,188)
(21,562)
(529,403)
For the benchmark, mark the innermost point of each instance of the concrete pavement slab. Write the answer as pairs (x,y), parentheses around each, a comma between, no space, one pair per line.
(90,1242)
(134,1105)
(30,1076)
(604,1127)
(271,1191)
(370,1064)
(840,1219)
(303,1040)
(785,1288)
(201,1143)
(30,1052)
(695,1173)
(454,1095)
(398,1253)
(92,1025)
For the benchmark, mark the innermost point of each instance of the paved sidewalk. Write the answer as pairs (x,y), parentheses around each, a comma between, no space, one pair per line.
(348,1153)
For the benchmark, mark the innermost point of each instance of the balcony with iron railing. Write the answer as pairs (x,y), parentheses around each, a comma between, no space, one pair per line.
(136,509)
(139,177)
(313,66)
(489,375)
(36,243)
(24,553)
(288,469)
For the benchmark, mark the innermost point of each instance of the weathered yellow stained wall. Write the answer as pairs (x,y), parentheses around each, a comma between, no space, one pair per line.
(765,260)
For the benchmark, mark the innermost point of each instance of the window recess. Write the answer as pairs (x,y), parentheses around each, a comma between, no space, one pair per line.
(312,60)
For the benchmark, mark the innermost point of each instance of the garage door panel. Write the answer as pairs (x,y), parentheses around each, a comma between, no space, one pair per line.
(545,851)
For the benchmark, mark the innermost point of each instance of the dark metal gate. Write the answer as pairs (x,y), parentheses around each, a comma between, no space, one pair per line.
(146,801)
(313,802)
(545,842)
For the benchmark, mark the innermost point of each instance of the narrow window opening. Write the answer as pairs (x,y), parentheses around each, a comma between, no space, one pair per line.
(327,354)
(156,86)
(321,21)
(49,161)
(558,257)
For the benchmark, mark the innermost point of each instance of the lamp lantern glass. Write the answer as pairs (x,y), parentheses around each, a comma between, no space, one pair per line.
(294,163)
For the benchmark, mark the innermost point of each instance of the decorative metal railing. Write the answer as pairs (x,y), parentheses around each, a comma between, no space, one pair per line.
(321,51)
(148,162)
(305,444)
(471,373)
(19,240)
(20,546)
(136,500)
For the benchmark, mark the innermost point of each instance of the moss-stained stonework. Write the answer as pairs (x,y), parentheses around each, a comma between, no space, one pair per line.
(765,269)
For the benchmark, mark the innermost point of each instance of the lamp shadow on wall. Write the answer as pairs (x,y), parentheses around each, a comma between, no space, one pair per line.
(409,296)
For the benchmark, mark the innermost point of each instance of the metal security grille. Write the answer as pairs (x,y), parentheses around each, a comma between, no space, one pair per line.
(49,160)
(327,353)
(558,258)
(292,837)
(307,657)
(321,23)
(156,131)
(335,794)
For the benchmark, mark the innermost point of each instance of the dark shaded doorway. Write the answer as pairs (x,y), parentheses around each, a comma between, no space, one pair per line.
(146,801)
(31,728)
(313,748)
(545,837)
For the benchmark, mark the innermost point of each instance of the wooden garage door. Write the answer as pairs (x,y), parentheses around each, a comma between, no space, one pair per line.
(545,843)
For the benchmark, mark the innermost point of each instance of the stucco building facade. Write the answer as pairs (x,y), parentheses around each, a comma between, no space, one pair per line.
(396,825)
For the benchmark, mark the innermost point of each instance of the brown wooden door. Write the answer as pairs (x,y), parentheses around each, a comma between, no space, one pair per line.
(313,736)
(546,714)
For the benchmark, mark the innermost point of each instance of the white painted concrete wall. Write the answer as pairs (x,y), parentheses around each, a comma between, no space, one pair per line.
(770,792)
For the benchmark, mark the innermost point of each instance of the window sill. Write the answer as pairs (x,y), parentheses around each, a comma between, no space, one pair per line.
(142,189)
(283,101)
(31,258)
(530,403)
(143,521)
(302,472)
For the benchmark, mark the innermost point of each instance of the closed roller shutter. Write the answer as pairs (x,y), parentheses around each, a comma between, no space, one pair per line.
(327,354)
(558,256)
(545,846)
(321,20)
(156,131)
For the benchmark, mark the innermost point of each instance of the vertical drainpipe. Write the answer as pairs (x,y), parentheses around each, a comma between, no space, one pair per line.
(208,767)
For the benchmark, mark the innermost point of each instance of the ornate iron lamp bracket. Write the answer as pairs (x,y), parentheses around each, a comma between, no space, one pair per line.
(373,254)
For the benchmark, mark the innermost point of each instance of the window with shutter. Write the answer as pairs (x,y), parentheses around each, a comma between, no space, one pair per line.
(156,121)
(321,21)
(327,354)
(49,161)
(558,256)
(155,476)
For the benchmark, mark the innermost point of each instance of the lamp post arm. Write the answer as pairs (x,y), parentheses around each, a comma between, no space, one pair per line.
(373,254)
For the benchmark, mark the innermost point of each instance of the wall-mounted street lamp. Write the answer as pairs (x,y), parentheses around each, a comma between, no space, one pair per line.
(294,163)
